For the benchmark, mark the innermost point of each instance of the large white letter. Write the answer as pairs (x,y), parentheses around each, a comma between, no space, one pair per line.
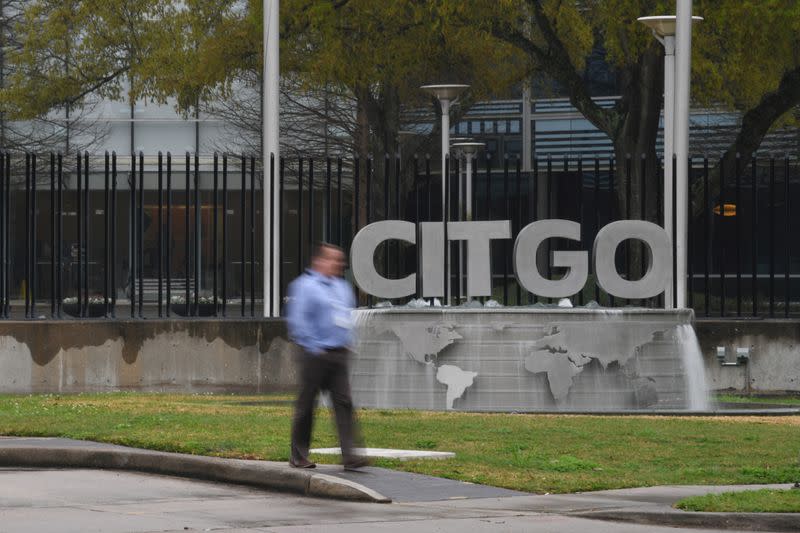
(526,246)
(362,258)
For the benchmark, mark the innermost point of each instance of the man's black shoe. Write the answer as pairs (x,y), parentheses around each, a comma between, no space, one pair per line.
(357,463)
(304,463)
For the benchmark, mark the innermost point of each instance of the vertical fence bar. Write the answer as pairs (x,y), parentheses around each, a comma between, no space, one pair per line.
(445,220)
(113,233)
(456,191)
(33,236)
(549,208)
(300,217)
(675,231)
(579,208)
(368,192)
(736,218)
(141,235)
(786,239)
(518,171)
(505,241)
(690,244)
(224,233)
(753,235)
(772,237)
(720,239)
(86,220)
(386,194)
(642,215)
(7,239)
(243,237)
(253,236)
(417,293)
(214,237)
(708,220)
(3,272)
(160,233)
(628,214)
(356,194)
(596,219)
(7,304)
(106,231)
(53,248)
(612,205)
(536,193)
(397,214)
(28,235)
(281,184)
(196,268)
(79,221)
(187,236)
(169,234)
(328,204)
(132,231)
(339,210)
(310,206)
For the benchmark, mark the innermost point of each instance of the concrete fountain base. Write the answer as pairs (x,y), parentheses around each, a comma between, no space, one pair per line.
(527,359)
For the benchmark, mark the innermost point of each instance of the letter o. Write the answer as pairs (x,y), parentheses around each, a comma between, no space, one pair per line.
(659,260)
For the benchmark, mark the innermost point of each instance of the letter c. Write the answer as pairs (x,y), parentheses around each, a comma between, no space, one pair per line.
(362,258)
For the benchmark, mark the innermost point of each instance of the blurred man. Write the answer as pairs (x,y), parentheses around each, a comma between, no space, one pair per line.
(319,320)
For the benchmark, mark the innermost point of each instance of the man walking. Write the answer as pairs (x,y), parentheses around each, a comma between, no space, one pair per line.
(318,317)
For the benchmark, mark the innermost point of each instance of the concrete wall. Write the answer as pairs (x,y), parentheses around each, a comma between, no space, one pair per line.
(774,365)
(254,356)
(148,355)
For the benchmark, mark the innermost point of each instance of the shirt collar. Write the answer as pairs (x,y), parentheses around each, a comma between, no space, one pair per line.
(318,276)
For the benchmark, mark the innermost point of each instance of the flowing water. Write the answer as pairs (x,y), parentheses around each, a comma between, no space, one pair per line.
(528,359)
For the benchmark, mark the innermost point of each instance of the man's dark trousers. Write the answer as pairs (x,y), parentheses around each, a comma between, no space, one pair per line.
(327,371)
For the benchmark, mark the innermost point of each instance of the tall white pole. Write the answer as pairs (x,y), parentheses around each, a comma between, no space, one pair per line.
(270,148)
(669,150)
(445,103)
(683,58)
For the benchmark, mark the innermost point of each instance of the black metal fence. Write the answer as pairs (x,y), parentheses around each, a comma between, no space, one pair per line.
(160,236)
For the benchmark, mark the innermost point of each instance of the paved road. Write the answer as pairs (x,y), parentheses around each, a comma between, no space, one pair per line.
(107,501)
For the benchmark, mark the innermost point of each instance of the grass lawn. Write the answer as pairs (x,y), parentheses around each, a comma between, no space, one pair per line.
(789,401)
(536,453)
(751,501)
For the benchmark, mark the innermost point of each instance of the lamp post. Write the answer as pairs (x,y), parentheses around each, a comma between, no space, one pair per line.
(272,219)
(466,150)
(663,28)
(446,94)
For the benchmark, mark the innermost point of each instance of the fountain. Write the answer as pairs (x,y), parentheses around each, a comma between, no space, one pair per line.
(524,359)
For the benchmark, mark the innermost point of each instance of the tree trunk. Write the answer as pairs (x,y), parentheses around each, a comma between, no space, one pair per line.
(637,170)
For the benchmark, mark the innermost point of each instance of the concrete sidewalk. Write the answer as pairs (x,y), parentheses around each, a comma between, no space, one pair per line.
(650,505)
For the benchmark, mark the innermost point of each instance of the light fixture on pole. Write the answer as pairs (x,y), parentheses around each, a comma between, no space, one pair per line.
(663,28)
(467,150)
(446,94)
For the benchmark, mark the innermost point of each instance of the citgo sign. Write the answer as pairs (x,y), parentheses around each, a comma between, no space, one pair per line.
(431,238)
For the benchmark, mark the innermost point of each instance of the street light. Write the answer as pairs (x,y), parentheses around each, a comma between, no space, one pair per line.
(446,94)
(663,28)
(467,150)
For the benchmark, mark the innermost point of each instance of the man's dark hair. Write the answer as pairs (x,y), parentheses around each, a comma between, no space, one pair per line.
(321,246)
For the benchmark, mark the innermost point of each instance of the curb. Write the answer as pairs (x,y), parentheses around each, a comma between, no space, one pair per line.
(262,474)
(789,522)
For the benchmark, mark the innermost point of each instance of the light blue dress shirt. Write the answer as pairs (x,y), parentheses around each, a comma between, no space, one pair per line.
(319,312)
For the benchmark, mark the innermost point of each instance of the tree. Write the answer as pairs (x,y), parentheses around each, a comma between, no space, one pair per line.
(557,36)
